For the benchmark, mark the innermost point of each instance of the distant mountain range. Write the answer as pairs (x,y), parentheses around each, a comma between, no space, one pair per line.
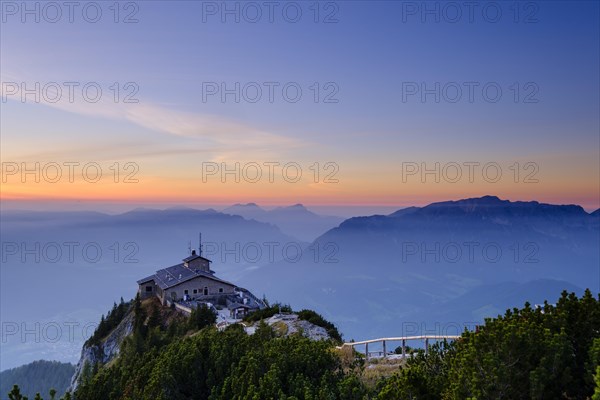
(427,264)
(455,261)
(294,220)
(64,267)
(159,233)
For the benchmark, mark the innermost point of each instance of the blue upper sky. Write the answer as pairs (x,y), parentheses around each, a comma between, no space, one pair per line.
(543,56)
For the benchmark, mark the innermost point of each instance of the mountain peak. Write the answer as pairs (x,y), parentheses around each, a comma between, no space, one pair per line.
(484,200)
(403,211)
(470,203)
(488,199)
(493,204)
(249,205)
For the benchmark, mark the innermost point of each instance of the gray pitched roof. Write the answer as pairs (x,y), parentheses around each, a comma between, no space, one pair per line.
(146,279)
(172,276)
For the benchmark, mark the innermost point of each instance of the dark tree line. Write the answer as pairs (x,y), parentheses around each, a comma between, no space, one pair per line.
(108,323)
(38,376)
(545,353)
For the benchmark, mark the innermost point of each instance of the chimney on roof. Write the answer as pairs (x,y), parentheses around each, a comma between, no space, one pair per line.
(193,252)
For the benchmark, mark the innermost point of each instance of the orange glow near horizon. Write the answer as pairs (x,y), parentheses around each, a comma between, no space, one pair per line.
(175,192)
(377,184)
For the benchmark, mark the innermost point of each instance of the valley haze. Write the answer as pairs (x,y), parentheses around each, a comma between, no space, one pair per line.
(418,269)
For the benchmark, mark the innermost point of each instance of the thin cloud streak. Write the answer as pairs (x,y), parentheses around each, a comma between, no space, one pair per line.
(211,130)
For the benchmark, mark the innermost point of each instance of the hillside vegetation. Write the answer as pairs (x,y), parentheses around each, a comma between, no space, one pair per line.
(38,376)
(551,352)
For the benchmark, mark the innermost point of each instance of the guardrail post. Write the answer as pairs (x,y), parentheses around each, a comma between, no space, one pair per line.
(403,348)
(426,346)
(367,351)
(384,351)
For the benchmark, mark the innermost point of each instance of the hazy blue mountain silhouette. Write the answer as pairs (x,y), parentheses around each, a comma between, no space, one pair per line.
(390,268)
(133,244)
(294,220)
(371,275)
(404,211)
(248,210)
(490,300)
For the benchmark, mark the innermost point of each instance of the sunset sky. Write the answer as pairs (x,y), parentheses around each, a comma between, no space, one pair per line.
(358,122)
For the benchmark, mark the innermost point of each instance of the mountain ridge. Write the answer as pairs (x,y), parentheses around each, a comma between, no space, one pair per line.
(417,259)
(37,376)
(295,220)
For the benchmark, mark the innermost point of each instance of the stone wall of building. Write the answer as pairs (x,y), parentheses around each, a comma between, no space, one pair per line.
(199,284)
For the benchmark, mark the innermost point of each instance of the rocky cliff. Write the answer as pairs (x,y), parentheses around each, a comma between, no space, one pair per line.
(103,353)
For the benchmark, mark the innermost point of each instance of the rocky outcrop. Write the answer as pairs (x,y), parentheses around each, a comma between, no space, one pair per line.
(103,353)
(289,324)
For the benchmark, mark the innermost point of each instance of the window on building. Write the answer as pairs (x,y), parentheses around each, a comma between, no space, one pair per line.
(185,292)
(195,291)
(220,290)
(206,290)
(148,288)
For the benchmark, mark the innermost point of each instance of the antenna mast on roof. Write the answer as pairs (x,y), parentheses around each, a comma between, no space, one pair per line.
(190,247)
(200,243)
